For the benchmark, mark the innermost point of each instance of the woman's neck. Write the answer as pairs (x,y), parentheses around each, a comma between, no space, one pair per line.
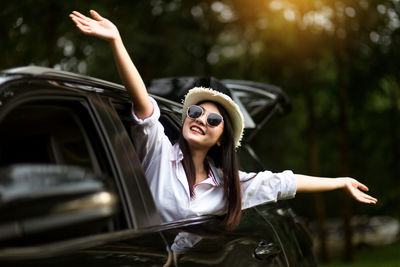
(198,161)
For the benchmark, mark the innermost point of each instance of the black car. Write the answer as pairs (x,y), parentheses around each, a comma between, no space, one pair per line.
(73,193)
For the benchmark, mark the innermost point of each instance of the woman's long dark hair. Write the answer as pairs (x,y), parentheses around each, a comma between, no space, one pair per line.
(224,157)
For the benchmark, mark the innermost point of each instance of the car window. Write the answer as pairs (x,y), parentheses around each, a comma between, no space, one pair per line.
(56,132)
(43,132)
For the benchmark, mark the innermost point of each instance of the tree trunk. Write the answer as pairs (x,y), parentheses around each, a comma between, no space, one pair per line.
(348,252)
(394,119)
(53,15)
(319,205)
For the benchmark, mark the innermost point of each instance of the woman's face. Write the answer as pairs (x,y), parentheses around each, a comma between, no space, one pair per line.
(198,133)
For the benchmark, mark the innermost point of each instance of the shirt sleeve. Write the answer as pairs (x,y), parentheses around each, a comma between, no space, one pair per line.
(149,138)
(152,119)
(264,187)
(185,241)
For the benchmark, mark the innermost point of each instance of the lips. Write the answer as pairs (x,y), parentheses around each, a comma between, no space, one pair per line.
(197,129)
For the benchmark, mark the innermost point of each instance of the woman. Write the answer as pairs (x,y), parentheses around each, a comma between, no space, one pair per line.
(199,174)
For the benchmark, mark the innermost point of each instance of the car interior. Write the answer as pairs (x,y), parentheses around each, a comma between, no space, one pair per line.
(40,141)
(28,136)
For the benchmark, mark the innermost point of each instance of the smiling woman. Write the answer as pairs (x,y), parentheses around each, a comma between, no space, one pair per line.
(199,175)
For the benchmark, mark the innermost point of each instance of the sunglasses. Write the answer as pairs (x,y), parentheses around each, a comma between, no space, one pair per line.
(195,111)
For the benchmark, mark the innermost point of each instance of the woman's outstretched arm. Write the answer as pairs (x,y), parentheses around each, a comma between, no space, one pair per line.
(318,184)
(105,29)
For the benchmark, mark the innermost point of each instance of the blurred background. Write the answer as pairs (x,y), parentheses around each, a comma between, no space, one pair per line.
(338,61)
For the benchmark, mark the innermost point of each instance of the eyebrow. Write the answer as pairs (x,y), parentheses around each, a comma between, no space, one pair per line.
(217,111)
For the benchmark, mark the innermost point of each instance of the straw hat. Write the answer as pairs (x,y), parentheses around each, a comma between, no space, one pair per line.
(200,94)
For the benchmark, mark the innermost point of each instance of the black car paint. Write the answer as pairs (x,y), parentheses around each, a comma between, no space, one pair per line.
(138,237)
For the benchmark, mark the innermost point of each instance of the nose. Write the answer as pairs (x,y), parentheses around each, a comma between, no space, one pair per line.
(202,119)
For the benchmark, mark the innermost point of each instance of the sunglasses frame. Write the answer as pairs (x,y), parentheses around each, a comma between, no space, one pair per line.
(202,112)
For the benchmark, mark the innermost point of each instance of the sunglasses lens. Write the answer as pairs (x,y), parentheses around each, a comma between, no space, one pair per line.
(194,112)
(214,119)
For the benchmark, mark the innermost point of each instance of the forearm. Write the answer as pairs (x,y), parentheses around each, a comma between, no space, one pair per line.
(132,80)
(307,183)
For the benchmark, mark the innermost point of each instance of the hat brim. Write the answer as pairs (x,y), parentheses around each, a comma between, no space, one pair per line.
(201,94)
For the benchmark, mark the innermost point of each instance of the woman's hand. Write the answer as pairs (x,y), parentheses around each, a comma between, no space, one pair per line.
(105,29)
(98,26)
(172,259)
(355,188)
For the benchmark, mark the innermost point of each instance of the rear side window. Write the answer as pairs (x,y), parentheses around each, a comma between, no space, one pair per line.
(60,132)
(50,133)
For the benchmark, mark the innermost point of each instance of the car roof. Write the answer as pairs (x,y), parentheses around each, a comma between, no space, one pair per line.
(43,72)
(75,80)
(170,91)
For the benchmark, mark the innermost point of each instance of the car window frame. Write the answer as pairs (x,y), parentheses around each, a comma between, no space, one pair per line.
(41,95)
(141,206)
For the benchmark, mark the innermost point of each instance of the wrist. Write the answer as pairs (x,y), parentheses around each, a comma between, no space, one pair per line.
(114,40)
(341,182)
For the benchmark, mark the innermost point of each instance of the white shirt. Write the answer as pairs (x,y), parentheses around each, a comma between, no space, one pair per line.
(162,163)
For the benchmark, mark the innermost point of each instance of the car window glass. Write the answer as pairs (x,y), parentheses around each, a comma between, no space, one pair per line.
(43,133)
(55,132)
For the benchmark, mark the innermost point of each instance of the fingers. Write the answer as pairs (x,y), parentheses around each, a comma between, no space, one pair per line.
(81,25)
(79,21)
(362,187)
(95,15)
(169,260)
(355,187)
(363,197)
(84,19)
(367,199)
(79,15)
(84,29)
(82,22)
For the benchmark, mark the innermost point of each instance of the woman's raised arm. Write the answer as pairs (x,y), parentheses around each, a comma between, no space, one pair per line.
(105,29)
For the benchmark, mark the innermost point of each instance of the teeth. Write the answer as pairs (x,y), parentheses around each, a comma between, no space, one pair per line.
(196,130)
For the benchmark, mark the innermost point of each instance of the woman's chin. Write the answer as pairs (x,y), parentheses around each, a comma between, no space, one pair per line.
(195,142)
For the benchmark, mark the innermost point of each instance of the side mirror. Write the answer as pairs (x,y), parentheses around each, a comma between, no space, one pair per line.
(40,203)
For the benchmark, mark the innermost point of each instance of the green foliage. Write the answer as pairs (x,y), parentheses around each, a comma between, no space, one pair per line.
(386,256)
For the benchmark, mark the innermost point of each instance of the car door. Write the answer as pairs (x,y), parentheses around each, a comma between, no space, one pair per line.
(54,123)
(252,243)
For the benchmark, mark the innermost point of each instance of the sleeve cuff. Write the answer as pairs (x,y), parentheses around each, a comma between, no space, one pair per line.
(184,241)
(289,187)
(152,119)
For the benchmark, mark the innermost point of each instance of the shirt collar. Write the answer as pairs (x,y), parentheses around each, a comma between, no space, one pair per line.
(177,154)
(211,180)
(214,173)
